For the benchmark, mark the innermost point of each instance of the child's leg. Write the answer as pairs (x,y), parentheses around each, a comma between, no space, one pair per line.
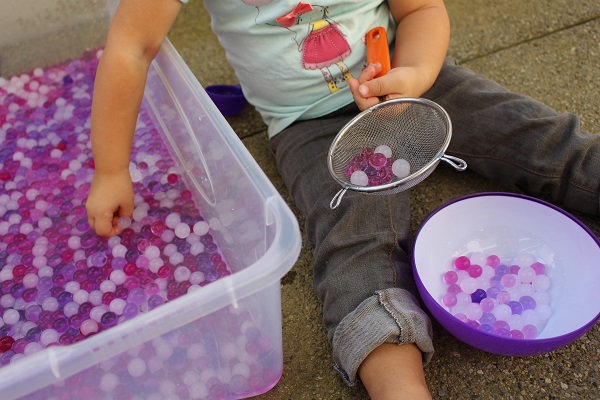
(362,271)
(393,372)
(514,139)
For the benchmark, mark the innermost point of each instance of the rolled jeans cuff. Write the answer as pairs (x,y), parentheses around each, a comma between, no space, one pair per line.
(389,316)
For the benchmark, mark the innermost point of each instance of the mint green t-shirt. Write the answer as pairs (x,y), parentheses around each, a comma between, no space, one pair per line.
(293,58)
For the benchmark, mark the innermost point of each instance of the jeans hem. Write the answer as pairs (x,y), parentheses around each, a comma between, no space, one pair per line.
(389,316)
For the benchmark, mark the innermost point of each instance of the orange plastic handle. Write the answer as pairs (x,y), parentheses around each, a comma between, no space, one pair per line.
(378,49)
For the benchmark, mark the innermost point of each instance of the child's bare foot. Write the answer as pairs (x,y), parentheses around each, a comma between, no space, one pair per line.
(394,372)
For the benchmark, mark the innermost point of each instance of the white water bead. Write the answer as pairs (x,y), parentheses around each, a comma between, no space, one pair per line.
(502,311)
(541,298)
(384,149)
(107,286)
(515,321)
(118,277)
(152,252)
(544,311)
(478,258)
(172,220)
(170,249)
(81,296)
(201,228)
(48,336)
(401,168)
(524,259)
(541,283)
(196,248)
(359,178)
(182,230)
(119,250)
(117,305)
(136,367)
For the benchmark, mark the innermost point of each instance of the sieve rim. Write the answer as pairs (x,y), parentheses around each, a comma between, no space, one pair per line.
(392,185)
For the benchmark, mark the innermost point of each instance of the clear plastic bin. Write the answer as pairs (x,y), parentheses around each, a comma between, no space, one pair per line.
(222,341)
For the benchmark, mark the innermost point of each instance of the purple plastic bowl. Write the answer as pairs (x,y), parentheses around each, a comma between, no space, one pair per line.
(512,221)
(229,99)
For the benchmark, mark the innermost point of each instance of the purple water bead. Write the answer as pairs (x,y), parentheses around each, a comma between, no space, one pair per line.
(487,328)
(502,270)
(515,306)
(155,301)
(109,319)
(478,295)
(487,318)
(528,302)
(130,310)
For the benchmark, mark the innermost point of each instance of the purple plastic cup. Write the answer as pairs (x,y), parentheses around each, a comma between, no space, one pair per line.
(229,99)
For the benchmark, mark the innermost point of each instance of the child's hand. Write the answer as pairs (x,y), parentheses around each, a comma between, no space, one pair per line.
(111,197)
(399,82)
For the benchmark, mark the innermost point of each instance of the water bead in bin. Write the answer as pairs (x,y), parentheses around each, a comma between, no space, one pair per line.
(229,99)
(60,282)
(524,301)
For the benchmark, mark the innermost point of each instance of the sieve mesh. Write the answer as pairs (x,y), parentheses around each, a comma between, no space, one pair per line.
(416,130)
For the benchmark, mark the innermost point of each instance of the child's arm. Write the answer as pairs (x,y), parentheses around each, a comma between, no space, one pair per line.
(422,38)
(136,33)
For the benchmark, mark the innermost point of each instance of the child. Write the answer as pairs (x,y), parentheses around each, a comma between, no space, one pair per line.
(301,66)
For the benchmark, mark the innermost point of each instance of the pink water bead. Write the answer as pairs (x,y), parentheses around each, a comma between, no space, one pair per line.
(462,263)
(449,300)
(539,268)
(487,305)
(474,270)
(378,160)
(450,277)
(493,261)
(529,332)
(508,280)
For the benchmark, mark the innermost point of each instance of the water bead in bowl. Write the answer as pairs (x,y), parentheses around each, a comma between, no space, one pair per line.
(509,297)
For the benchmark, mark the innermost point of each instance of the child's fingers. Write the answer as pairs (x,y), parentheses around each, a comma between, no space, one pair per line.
(369,72)
(362,102)
(105,225)
(379,87)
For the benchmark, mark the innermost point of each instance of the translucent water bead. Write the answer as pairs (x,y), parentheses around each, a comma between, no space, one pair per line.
(401,168)
(510,294)
(374,167)
(59,281)
(359,178)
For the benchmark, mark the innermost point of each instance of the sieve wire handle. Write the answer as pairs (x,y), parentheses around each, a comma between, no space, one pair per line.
(337,198)
(458,163)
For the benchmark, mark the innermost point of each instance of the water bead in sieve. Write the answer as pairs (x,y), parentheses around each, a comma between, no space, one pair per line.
(401,168)
(378,161)
(359,178)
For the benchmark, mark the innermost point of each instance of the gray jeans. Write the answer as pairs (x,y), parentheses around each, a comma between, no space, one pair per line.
(362,268)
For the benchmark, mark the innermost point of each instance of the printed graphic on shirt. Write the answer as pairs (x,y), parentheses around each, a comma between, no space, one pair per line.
(322,46)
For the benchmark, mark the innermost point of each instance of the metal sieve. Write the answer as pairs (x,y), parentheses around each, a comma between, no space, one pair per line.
(417,130)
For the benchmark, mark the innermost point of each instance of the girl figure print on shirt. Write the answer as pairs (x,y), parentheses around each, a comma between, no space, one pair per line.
(324,45)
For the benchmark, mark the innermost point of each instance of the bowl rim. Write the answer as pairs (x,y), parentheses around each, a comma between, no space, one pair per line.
(536,346)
